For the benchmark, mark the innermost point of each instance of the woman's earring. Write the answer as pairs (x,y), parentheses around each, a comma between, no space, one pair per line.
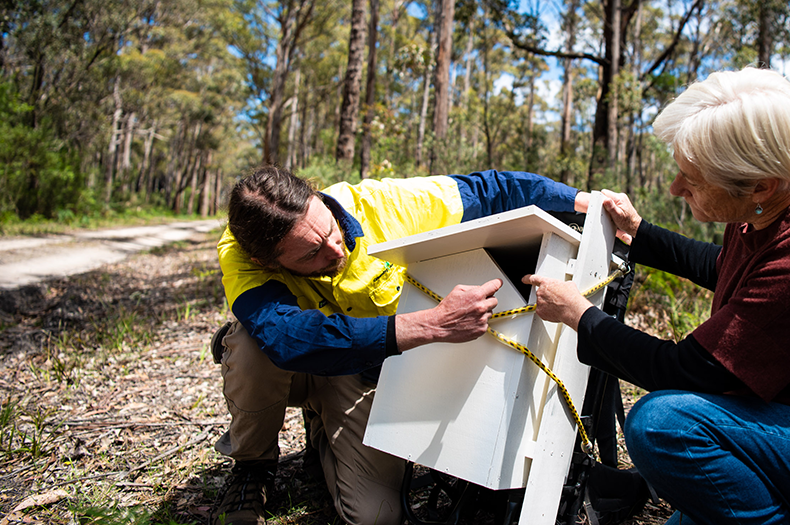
(759,209)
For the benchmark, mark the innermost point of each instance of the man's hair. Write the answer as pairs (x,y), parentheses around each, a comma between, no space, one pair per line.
(734,127)
(262,209)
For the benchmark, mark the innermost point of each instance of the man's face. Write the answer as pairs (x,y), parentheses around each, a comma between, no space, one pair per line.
(314,247)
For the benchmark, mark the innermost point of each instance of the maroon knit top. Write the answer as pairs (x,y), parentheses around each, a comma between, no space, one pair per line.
(749,328)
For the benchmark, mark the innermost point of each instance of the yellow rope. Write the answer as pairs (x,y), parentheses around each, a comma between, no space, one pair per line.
(586,444)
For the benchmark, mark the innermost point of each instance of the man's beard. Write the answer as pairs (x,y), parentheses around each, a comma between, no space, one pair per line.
(330,271)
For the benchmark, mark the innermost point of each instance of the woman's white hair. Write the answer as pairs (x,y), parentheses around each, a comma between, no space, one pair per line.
(734,127)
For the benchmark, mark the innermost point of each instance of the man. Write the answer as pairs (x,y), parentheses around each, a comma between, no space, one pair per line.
(316,318)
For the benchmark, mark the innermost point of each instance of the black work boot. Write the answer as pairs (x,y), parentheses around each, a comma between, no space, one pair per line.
(243,501)
(217,347)
(311,460)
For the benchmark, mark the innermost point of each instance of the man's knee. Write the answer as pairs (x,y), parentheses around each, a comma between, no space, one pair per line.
(256,393)
(381,508)
(252,383)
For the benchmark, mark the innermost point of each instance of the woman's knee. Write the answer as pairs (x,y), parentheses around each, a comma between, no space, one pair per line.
(656,420)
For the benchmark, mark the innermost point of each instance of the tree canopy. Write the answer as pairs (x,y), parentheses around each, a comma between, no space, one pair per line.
(112,104)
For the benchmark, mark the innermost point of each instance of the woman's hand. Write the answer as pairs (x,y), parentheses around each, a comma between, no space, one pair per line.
(558,301)
(623,214)
(582,202)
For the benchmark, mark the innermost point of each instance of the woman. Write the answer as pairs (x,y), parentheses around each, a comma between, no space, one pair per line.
(713,436)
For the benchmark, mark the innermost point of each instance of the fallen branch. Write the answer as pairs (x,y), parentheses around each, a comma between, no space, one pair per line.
(100,425)
(170,452)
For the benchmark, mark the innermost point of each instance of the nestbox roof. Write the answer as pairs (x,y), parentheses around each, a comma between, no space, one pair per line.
(504,230)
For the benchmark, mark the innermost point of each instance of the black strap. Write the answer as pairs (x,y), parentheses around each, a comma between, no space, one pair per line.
(592,515)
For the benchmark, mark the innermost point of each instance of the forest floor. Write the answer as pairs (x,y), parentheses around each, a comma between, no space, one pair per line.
(111,402)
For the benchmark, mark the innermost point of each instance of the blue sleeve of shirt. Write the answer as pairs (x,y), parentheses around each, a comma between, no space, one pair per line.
(307,340)
(311,342)
(488,192)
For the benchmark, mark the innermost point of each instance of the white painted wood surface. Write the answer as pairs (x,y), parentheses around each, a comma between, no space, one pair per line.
(464,409)
(482,411)
(520,227)
(558,429)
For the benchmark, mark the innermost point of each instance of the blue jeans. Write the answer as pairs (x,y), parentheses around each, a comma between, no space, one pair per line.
(679,519)
(718,459)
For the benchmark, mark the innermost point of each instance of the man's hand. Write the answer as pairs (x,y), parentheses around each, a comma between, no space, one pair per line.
(558,301)
(461,316)
(623,214)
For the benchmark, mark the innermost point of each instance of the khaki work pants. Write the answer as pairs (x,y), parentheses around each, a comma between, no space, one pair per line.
(364,482)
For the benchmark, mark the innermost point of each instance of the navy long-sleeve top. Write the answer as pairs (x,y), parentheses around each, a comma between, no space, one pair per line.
(345,324)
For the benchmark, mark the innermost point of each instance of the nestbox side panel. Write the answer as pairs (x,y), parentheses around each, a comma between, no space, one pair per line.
(445,405)
(519,448)
(554,446)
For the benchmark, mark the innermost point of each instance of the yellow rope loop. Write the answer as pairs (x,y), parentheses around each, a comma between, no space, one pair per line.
(586,444)
(514,312)
(424,289)
(621,270)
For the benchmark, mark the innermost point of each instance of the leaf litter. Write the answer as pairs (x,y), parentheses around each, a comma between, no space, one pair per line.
(111,402)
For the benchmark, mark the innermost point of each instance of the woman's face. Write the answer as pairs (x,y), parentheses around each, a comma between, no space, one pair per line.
(708,203)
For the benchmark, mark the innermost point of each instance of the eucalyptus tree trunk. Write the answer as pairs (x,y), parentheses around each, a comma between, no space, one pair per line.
(442,73)
(530,115)
(148,146)
(215,205)
(566,146)
(765,36)
(467,76)
(193,185)
(441,83)
(604,146)
(293,18)
(271,141)
(486,125)
(307,130)
(293,124)
(171,172)
(634,120)
(611,130)
(189,160)
(390,46)
(370,90)
(205,187)
(112,149)
(349,110)
(426,96)
(126,158)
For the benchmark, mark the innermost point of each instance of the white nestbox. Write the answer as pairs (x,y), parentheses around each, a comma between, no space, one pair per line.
(482,411)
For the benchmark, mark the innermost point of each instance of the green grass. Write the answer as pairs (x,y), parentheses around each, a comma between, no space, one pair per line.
(26,430)
(132,216)
(99,515)
(685,304)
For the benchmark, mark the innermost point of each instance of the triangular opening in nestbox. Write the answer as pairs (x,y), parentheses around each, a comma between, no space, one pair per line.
(517,261)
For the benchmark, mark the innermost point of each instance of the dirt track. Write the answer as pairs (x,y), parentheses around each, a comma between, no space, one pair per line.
(28,260)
